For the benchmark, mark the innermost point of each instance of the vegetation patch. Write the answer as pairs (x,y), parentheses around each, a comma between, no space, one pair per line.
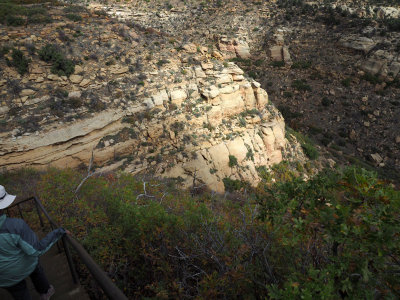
(232,161)
(305,142)
(232,185)
(61,65)
(301,85)
(278,64)
(19,61)
(12,14)
(74,17)
(334,234)
(301,64)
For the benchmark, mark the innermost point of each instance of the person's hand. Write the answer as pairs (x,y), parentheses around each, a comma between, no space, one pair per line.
(68,232)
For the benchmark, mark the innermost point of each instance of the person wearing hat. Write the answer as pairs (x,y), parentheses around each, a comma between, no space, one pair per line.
(20,249)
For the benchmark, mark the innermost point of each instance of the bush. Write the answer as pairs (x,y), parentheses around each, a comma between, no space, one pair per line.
(301,64)
(338,236)
(61,65)
(74,17)
(12,20)
(306,144)
(371,78)
(393,24)
(232,185)
(16,15)
(301,85)
(278,64)
(346,82)
(20,62)
(232,161)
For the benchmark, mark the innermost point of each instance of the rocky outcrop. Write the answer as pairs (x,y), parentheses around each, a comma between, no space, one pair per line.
(193,129)
(140,103)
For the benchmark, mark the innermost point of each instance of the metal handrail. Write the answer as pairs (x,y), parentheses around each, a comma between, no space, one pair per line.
(109,288)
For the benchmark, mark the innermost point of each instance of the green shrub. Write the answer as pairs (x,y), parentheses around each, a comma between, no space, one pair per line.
(305,142)
(232,161)
(61,65)
(12,20)
(74,9)
(232,185)
(39,19)
(301,85)
(4,50)
(301,64)
(325,101)
(16,15)
(278,64)
(338,236)
(346,82)
(20,62)
(74,17)
(374,79)
(393,24)
(242,121)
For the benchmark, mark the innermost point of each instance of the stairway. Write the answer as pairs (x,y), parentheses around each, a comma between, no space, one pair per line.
(57,271)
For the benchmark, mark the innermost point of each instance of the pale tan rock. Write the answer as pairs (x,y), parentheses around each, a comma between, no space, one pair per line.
(275,52)
(220,158)
(217,54)
(148,103)
(4,109)
(237,149)
(214,116)
(160,97)
(36,69)
(232,104)
(224,78)
(238,77)
(242,50)
(53,77)
(27,92)
(377,158)
(74,94)
(85,82)
(200,73)
(78,69)
(248,96)
(207,65)
(76,79)
(357,43)
(178,96)
(117,70)
(155,130)
(190,48)
(210,92)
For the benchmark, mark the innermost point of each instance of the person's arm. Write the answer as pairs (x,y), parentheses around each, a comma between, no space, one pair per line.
(30,244)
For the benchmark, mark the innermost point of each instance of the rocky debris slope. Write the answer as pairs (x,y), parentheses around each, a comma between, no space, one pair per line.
(333,69)
(140,100)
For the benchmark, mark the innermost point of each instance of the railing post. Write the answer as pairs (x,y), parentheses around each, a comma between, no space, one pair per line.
(38,212)
(70,261)
(20,212)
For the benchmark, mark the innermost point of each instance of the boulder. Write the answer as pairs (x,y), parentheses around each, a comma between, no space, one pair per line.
(76,79)
(27,92)
(359,43)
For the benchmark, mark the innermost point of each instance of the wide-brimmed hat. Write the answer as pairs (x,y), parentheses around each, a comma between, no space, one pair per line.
(5,198)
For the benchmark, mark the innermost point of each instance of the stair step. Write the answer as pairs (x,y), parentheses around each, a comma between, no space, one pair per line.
(57,271)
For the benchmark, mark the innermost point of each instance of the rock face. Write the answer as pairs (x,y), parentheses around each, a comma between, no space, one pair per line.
(360,43)
(196,126)
(143,102)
